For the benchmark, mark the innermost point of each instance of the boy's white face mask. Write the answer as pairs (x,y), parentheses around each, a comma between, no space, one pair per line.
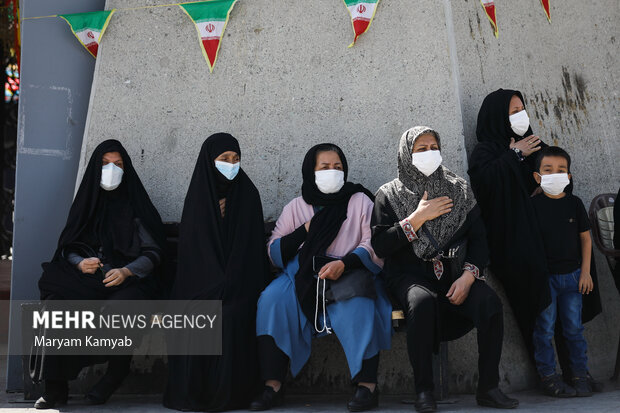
(554,184)
(519,122)
(111,177)
(329,181)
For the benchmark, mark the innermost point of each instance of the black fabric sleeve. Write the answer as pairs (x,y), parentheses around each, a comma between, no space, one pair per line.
(289,244)
(352,261)
(387,234)
(583,222)
(477,247)
(488,163)
(150,253)
(492,168)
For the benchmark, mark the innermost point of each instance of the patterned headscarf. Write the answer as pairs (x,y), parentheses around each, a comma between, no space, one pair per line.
(405,192)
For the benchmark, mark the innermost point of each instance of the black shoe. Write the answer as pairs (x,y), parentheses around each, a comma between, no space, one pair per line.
(268,399)
(496,398)
(555,386)
(426,402)
(102,391)
(56,394)
(363,399)
(582,386)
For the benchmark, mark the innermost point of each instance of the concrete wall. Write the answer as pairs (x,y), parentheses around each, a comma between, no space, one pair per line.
(285,80)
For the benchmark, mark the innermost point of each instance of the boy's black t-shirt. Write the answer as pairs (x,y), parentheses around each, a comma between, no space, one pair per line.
(560,222)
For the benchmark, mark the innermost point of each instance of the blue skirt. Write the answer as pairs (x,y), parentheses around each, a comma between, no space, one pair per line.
(363,325)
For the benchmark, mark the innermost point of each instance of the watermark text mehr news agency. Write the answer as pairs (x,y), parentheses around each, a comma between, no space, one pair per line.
(88,320)
(58,320)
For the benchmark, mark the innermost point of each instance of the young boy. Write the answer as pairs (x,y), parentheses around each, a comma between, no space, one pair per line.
(565,229)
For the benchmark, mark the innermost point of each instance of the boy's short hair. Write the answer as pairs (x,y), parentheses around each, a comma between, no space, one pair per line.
(552,151)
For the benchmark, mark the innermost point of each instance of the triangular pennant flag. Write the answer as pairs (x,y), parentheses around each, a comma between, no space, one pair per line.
(489,8)
(210,19)
(362,12)
(88,28)
(545,4)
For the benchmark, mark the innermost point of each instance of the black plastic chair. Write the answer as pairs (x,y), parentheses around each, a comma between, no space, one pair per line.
(602,220)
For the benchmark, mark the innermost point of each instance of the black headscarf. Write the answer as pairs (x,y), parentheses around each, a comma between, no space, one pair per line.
(325,224)
(493,123)
(217,144)
(503,186)
(219,257)
(101,218)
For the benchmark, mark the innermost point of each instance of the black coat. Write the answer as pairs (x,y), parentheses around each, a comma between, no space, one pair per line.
(401,264)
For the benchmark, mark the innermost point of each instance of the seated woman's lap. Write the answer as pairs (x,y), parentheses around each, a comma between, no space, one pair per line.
(131,291)
(481,303)
(418,299)
(275,294)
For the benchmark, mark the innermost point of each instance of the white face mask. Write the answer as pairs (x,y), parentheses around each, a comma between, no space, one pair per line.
(111,177)
(329,181)
(554,184)
(519,122)
(229,170)
(427,162)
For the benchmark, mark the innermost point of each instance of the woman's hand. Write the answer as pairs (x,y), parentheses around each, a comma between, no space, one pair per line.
(460,288)
(429,209)
(90,265)
(332,270)
(223,206)
(527,145)
(116,276)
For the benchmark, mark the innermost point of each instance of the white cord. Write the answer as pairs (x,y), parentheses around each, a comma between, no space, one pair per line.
(316,309)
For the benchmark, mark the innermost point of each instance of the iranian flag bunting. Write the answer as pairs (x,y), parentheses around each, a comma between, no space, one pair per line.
(362,12)
(88,28)
(546,6)
(489,8)
(210,19)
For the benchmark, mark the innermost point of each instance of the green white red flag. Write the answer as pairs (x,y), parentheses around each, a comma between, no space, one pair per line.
(88,28)
(489,8)
(362,12)
(546,7)
(210,19)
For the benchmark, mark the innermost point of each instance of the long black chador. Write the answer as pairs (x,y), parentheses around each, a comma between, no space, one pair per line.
(220,258)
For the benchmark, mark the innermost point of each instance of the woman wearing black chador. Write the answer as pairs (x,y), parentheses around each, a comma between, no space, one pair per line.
(222,256)
(110,249)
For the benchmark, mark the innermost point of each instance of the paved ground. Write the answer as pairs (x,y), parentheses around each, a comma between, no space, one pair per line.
(531,401)
(608,402)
